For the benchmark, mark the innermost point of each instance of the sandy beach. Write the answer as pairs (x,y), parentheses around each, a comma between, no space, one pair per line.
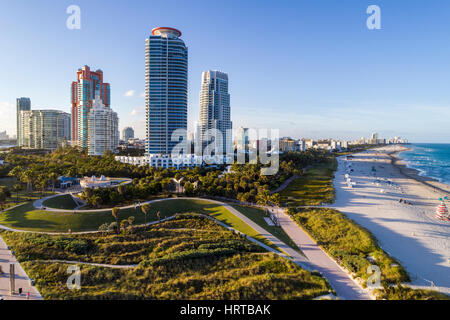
(407,231)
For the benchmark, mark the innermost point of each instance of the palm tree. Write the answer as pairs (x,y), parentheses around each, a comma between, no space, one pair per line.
(28,177)
(145,207)
(115,214)
(2,199)
(53,177)
(130,223)
(124,224)
(17,188)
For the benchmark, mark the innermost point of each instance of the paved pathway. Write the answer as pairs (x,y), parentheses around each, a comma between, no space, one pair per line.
(340,280)
(22,280)
(285,184)
(103,265)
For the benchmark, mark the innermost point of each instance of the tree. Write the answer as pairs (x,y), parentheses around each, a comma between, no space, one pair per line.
(124,224)
(276,199)
(263,197)
(103,228)
(17,188)
(115,214)
(130,223)
(145,208)
(29,177)
(94,201)
(2,199)
(53,177)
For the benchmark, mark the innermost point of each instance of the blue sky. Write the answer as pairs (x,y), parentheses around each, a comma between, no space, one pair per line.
(309,68)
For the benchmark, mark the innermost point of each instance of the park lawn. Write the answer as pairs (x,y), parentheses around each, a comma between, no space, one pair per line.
(64,201)
(189,257)
(313,188)
(23,196)
(257,215)
(26,217)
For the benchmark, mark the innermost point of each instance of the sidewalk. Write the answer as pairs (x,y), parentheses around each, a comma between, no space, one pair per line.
(22,280)
(346,288)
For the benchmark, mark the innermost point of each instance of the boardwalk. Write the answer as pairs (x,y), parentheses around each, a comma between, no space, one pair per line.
(22,280)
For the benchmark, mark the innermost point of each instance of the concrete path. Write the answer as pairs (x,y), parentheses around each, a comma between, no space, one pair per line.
(344,285)
(285,184)
(22,280)
(296,256)
(103,265)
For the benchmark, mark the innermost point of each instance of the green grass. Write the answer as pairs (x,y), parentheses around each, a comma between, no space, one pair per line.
(61,202)
(313,188)
(404,293)
(257,215)
(26,217)
(349,244)
(189,257)
(23,196)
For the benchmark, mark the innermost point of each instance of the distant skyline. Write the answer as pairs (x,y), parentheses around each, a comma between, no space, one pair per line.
(310,68)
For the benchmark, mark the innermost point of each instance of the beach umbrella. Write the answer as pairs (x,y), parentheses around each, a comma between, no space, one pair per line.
(442,212)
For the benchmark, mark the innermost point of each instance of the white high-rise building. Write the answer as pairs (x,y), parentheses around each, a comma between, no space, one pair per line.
(215,110)
(44,129)
(103,128)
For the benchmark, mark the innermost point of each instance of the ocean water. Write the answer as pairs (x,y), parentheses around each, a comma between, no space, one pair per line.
(432,160)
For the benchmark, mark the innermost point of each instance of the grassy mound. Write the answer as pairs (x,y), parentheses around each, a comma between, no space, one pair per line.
(189,257)
(26,217)
(61,202)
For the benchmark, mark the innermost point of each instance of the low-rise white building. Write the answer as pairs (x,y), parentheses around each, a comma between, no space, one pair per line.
(178,162)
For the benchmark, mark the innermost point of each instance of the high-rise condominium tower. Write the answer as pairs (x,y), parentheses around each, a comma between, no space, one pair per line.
(44,129)
(127,133)
(22,104)
(83,94)
(215,110)
(166,75)
(103,128)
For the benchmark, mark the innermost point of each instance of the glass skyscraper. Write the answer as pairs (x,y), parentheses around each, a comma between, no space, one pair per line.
(166,75)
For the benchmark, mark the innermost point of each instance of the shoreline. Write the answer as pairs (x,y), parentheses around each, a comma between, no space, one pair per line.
(411,173)
(407,230)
